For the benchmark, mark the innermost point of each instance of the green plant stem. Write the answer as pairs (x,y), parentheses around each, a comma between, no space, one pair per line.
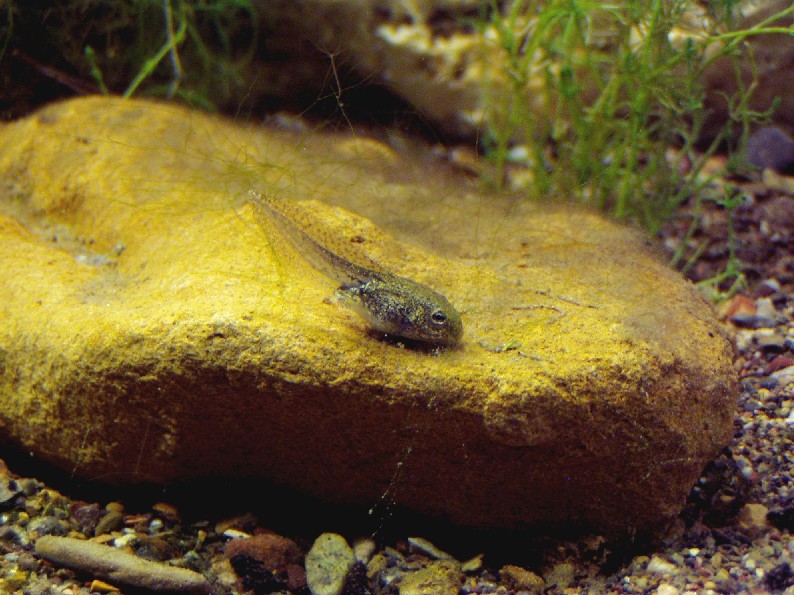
(152,63)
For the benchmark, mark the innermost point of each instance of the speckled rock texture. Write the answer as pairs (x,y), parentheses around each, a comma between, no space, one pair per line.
(431,54)
(152,330)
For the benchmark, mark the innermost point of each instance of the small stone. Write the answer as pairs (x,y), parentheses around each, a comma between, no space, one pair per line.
(245,523)
(784,377)
(149,547)
(780,578)
(722,576)
(516,578)
(738,304)
(561,575)
(102,587)
(9,489)
(442,577)
(782,517)
(46,525)
(363,549)
(112,521)
(665,589)
(779,362)
(659,565)
(716,560)
(29,486)
(225,573)
(770,147)
(167,512)
(770,340)
(419,544)
(765,308)
(267,558)
(117,565)
(753,321)
(782,183)
(86,516)
(377,564)
(473,564)
(752,520)
(328,563)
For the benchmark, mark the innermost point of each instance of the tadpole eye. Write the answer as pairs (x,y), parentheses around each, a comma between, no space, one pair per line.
(438,317)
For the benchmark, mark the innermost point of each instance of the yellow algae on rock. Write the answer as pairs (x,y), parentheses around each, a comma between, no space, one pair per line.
(153,330)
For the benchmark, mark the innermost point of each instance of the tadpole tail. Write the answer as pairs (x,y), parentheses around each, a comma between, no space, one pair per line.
(273,211)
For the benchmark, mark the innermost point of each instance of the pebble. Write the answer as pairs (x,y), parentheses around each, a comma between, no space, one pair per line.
(46,525)
(752,520)
(119,566)
(784,377)
(561,575)
(102,587)
(112,521)
(472,564)
(267,559)
(441,577)
(520,579)
(753,321)
(328,563)
(8,490)
(419,544)
(770,147)
(659,565)
(363,549)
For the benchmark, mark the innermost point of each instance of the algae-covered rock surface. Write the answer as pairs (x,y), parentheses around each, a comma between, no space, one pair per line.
(153,329)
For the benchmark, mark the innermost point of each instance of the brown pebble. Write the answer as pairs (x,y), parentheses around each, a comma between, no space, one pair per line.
(167,511)
(752,520)
(154,548)
(245,523)
(119,566)
(516,578)
(110,522)
(738,304)
(276,554)
(114,507)
(778,363)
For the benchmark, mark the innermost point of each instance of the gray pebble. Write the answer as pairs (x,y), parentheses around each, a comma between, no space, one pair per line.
(46,525)
(8,490)
(770,147)
(753,321)
(119,566)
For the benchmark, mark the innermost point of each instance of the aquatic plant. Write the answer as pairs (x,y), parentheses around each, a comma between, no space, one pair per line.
(622,84)
(195,51)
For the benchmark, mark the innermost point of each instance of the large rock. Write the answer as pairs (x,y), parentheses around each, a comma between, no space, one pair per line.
(152,330)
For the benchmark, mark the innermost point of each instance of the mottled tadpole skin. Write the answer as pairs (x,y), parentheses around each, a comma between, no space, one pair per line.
(391,304)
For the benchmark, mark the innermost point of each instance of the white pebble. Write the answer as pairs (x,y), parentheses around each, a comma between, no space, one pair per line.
(659,565)
(765,308)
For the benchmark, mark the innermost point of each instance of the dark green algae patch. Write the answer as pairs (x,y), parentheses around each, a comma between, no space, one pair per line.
(591,386)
